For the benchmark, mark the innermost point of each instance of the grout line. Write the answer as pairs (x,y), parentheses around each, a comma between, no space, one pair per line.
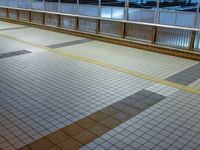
(110,66)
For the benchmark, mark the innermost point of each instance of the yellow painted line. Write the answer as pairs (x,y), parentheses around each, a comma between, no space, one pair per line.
(110,66)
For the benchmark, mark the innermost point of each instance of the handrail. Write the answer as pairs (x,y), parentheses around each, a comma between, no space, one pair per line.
(104,19)
(153,35)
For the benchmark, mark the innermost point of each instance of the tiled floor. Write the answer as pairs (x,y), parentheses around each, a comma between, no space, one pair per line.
(195,84)
(42,92)
(173,123)
(155,64)
(91,127)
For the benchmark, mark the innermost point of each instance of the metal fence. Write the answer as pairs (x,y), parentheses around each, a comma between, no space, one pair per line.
(153,14)
(3,12)
(139,32)
(110,28)
(170,36)
(173,37)
(12,13)
(23,15)
(36,17)
(51,20)
(197,41)
(88,25)
(67,22)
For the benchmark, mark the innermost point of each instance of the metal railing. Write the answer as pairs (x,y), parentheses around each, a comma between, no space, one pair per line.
(88,25)
(139,32)
(170,36)
(197,41)
(173,37)
(155,14)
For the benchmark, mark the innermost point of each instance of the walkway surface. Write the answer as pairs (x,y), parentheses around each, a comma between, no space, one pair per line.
(59,91)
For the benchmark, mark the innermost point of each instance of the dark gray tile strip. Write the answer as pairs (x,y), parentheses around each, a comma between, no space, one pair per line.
(142,99)
(69,43)
(86,130)
(13,28)
(15,53)
(187,76)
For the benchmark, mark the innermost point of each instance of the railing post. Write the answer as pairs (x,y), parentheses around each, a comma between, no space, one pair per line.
(58,23)
(17,14)
(97,26)
(43,18)
(123,30)
(154,34)
(7,13)
(192,40)
(30,17)
(76,23)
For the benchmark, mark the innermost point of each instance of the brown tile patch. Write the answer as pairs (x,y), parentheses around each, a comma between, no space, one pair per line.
(57,137)
(81,132)
(55,148)
(111,122)
(85,137)
(86,122)
(73,129)
(70,144)
(24,148)
(99,116)
(98,129)
(41,144)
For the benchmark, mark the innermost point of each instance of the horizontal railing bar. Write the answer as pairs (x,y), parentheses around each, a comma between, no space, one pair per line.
(104,19)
